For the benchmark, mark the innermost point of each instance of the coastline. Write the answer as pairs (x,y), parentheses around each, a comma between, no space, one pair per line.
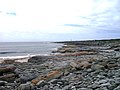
(77,65)
(22,49)
(15,58)
(20,58)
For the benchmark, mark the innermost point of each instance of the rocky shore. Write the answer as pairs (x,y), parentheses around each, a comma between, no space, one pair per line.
(78,65)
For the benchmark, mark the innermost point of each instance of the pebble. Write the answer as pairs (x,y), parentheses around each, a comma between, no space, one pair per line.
(26,86)
(117,88)
(101,74)
(2,83)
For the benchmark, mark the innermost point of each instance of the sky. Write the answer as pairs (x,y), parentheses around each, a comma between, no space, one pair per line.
(59,20)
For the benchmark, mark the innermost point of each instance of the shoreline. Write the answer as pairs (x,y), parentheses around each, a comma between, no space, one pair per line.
(88,65)
(20,58)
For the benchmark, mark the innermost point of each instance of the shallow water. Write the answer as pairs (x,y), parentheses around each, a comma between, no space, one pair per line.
(26,48)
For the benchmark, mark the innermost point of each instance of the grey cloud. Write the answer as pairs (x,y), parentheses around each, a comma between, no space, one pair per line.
(109,18)
(105,24)
(11,13)
(75,25)
(108,33)
(117,32)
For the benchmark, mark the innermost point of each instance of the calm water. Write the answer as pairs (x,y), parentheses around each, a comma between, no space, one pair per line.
(25,48)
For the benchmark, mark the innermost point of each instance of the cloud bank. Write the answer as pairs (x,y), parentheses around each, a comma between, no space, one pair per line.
(34,20)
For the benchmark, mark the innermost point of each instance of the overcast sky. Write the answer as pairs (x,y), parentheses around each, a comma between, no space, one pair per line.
(56,20)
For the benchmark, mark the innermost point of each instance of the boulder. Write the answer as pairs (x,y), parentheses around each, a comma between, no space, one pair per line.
(53,74)
(8,61)
(117,88)
(111,65)
(74,64)
(117,49)
(26,86)
(38,59)
(97,67)
(85,53)
(80,64)
(8,77)
(66,49)
(2,83)
(42,83)
(27,76)
(91,60)
(79,53)
(48,77)
(7,69)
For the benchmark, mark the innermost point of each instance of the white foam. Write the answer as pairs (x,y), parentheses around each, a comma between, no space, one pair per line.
(21,59)
(13,57)
(27,56)
(16,58)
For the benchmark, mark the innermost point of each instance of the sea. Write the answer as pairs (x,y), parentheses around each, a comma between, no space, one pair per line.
(11,49)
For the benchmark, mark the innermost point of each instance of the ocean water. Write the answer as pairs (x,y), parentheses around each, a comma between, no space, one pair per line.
(26,48)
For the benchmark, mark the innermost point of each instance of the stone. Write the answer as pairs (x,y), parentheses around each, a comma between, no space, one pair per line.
(27,76)
(53,81)
(54,74)
(85,64)
(66,50)
(89,70)
(2,83)
(8,77)
(117,88)
(7,69)
(66,69)
(105,85)
(117,49)
(67,86)
(41,83)
(59,81)
(83,89)
(38,59)
(56,87)
(2,88)
(101,81)
(94,86)
(38,79)
(79,53)
(84,53)
(73,87)
(80,65)
(8,62)
(97,67)
(26,86)
(48,77)
(46,87)
(117,80)
(91,60)
(100,76)
(111,65)
(74,64)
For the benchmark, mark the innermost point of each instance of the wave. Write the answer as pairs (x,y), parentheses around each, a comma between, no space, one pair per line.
(7,52)
(10,52)
(24,56)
